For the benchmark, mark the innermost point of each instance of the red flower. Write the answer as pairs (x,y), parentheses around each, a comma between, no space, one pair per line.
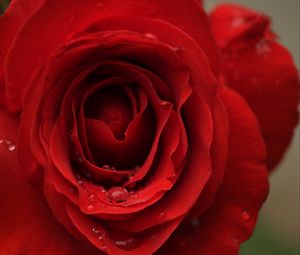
(121,134)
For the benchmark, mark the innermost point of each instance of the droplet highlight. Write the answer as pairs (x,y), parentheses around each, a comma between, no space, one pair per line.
(106,167)
(150,36)
(10,146)
(162,215)
(118,194)
(90,208)
(262,48)
(245,215)
(128,244)
(98,233)
(92,197)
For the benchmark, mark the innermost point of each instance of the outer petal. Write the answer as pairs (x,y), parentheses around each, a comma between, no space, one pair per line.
(261,70)
(42,29)
(10,23)
(27,226)
(232,218)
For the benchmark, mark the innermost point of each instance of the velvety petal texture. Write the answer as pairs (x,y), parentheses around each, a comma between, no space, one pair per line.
(120,134)
(232,217)
(27,225)
(261,70)
(69,15)
(10,24)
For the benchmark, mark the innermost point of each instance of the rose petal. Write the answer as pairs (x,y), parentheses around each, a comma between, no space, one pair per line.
(233,215)
(10,24)
(188,15)
(26,222)
(261,70)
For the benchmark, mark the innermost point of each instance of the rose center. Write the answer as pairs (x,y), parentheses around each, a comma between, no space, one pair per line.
(112,106)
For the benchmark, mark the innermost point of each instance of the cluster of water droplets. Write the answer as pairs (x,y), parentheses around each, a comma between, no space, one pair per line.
(10,146)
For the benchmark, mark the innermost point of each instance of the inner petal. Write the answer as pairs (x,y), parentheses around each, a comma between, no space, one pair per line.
(112,106)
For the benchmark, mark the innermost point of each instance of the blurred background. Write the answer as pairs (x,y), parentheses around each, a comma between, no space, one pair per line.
(277,232)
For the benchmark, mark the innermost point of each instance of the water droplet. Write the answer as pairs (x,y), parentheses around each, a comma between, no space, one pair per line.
(91,208)
(162,215)
(106,167)
(104,248)
(133,194)
(113,168)
(102,189)
(118,194)
(237,22)
(150,36)
(137,167)
(195,222)
(92,197)
(176,49)
(8,144)
(262,48)
(246,215)
(128,244)
(99,233)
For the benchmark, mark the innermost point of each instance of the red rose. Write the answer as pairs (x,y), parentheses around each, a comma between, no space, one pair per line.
(133,138)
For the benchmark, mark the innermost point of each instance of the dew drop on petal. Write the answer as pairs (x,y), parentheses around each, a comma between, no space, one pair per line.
(237,22)
(106,167)
(150,36)
(128,244)
(245,215)
(104,248)
(8,144)
(102,189)
(92,197)
(262,48)
(98,233)
(176,49)
(90,208)
(118,194)
(162,215)
(133,194)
